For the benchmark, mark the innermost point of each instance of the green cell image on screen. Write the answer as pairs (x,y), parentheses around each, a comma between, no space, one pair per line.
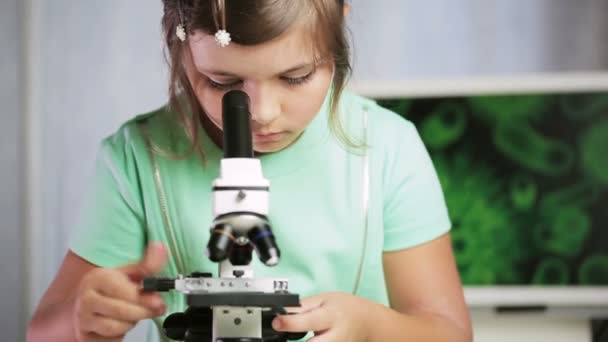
(526,183)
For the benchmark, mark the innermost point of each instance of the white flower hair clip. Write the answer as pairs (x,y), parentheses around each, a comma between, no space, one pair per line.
(222,37)
(180,32)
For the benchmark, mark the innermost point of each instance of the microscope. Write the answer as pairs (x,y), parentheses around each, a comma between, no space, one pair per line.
(236,306)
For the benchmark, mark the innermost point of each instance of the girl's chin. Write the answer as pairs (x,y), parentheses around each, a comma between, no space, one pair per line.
(266,148)
(270,147)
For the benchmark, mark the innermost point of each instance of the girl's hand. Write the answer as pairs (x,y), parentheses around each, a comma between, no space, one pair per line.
(109,302)
(333,317)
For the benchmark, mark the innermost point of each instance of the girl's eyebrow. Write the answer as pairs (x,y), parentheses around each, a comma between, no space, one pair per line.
(230,74)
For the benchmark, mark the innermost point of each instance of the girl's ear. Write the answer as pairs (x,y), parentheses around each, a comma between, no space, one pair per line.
(346,9)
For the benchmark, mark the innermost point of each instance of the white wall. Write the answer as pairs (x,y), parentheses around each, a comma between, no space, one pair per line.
(398,39)
(93,64)
(529,328)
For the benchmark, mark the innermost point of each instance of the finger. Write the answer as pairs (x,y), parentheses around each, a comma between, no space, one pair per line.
(124,290)
(314,320)
(154,260)
(152,263)
(152,301)
(307,304)
(119,286)
(125,311)
(107,327)
(313,302)
(91,337)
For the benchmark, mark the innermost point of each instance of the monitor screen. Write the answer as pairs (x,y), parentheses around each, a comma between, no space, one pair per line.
(525,177)
(523,162)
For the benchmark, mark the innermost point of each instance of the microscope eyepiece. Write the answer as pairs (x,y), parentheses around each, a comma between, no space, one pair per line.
(236,119)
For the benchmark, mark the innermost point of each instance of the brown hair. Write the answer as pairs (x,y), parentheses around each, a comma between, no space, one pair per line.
(252,22)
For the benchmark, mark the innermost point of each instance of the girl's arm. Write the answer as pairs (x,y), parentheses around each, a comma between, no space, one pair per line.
(53,319)
(88,304)
(426,296)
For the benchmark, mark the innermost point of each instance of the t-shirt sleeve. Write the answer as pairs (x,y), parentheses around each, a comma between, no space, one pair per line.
(415,211)
(111,232)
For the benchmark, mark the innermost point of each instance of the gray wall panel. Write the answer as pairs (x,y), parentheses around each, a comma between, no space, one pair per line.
(12,319)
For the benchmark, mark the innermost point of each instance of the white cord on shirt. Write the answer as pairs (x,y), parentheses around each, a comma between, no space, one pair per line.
(365,202)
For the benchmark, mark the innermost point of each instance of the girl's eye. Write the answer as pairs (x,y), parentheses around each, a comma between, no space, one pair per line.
(291,82)
(222,86)
(294,81)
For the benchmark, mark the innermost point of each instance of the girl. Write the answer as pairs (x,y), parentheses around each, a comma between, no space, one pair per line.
(356,206)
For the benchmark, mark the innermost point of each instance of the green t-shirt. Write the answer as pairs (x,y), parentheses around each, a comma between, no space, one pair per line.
(317,200)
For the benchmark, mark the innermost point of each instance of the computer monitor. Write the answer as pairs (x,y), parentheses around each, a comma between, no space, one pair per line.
(523,162)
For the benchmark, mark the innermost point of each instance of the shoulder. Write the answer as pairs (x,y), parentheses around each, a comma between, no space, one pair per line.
(125,151)
(393,143)
(386,129)
(130,137)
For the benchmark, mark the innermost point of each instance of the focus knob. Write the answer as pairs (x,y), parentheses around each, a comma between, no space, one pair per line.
(158,284)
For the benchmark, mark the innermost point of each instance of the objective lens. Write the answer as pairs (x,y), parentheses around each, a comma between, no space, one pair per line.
(265,245)
(220,243)
(241,255)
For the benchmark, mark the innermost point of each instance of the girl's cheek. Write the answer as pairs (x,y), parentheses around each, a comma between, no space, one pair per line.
(211,102)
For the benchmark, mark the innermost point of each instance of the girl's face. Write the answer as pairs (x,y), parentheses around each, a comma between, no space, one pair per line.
(285,86)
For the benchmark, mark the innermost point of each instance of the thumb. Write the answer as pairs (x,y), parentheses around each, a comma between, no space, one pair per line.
(154,260)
